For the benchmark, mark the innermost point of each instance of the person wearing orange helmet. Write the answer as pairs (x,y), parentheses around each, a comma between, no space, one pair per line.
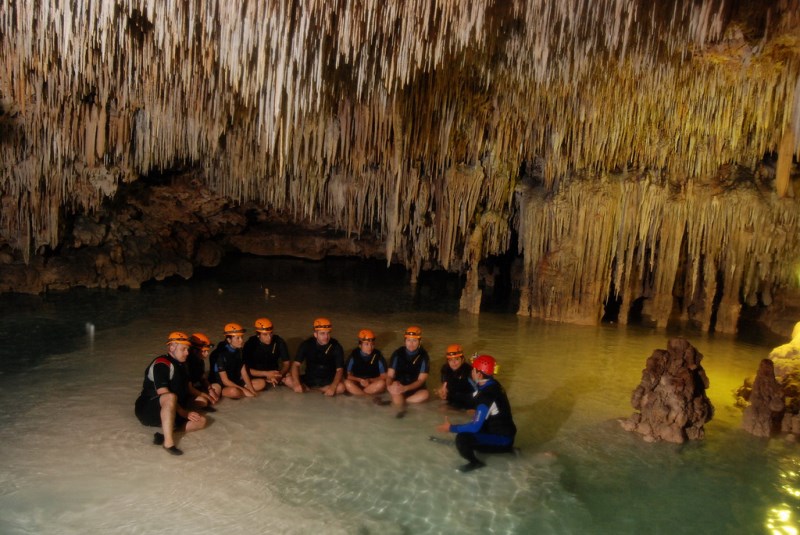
(492,428)
(366,367)
(323,357)
(165,395)
(408,371)
(205,393)
(456,374)
(228,369)
(265,354)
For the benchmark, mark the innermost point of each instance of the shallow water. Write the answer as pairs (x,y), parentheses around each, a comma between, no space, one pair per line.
(74,459)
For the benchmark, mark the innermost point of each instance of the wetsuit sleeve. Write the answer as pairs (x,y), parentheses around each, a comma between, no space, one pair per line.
(301,353)
(338,356)
(283,351)
(350,364)
(481,412)
(381,366)
(426,365)
(161,369)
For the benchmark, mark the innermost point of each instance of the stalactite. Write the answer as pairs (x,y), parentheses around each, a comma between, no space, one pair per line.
(368,114)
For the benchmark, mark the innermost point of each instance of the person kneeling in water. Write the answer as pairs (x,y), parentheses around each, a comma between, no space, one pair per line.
(492,429)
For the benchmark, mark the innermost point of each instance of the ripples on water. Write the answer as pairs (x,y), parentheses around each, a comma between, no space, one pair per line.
(75,459)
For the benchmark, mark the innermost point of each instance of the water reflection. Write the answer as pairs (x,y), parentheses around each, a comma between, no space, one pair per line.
(305,463)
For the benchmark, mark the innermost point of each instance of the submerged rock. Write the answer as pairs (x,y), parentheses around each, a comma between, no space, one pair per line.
(671,398)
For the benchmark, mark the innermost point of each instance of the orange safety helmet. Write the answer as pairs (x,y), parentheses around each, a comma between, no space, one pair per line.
(201,341)
(365,335)
(485,364)
(178,337)
(263,325)
(322,324)
(233,329)
(454,351)
(413,332)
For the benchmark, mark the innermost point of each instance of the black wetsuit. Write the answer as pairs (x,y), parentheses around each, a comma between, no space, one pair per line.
(265,357)
(196,369)
(163,371)
(321,361)
(459,387)
(366,366)
(407,367)
(492,429)
(226,359)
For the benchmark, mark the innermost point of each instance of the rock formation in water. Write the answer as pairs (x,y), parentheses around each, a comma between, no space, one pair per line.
(764,412)
(634,156)
(771,400)
(671,399)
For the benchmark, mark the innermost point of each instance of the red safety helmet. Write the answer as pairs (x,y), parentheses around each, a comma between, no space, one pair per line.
(201,341)
(485,364)
(322,324)
(178,337)
(263,325)
(234,329)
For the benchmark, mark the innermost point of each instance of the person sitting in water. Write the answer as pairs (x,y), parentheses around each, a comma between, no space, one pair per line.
(408,371)
(366,367)
(165,395)
(205,394)
(324,361)
(456,375)
(228,369)
(492,429)
(265,354)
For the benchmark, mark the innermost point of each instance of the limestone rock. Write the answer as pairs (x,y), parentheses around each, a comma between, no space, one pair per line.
(772,403)
(762,417)
(671,397)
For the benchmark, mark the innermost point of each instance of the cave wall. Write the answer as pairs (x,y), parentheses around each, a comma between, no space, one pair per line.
(433,131)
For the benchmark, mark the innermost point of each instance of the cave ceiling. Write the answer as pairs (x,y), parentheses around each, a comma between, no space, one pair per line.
(418,121)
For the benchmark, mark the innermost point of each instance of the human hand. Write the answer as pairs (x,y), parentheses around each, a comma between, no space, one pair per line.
(444,427)
(193,416)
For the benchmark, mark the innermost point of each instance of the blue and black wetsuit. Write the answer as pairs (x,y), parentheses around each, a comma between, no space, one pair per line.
(492,429)
(226,358)
(408,366)
(364,366)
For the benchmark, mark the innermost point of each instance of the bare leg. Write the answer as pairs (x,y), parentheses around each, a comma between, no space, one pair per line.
(353,388)
(376,387)
(168,402)
(419,396)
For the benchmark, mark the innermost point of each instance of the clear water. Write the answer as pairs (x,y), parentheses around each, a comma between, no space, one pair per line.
(74,459)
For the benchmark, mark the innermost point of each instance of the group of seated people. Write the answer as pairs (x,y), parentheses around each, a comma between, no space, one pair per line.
(177,387)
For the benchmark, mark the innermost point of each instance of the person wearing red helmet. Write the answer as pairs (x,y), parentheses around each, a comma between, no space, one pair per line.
(323,357)
(492,429)
(456,376)
(366,367)
(165,395)
(265,354)
(228,369)
(408,371)
(205,393)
